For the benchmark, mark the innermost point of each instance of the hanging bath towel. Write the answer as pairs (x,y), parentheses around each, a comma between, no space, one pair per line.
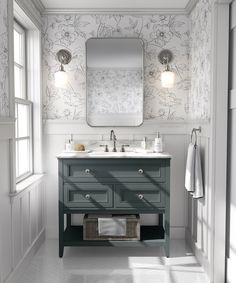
(198,184)
(189,173)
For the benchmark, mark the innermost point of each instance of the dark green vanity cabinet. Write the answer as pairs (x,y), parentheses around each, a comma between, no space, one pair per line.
(114,186)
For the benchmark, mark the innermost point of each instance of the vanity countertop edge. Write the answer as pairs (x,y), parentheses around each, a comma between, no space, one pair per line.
(117,155)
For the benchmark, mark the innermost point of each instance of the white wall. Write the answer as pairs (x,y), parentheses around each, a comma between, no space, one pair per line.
(231,203)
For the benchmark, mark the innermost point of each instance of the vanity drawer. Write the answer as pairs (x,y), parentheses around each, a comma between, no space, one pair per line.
(89,195)
(118,169)
(140,195)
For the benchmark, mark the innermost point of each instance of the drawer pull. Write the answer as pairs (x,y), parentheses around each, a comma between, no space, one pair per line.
(87,171)
(140,196)
(87,196)
(140,171)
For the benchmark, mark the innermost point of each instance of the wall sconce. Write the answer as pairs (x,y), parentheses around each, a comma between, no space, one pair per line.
(167,76)
(61,77)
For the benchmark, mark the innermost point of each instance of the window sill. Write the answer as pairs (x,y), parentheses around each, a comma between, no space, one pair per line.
(26,183)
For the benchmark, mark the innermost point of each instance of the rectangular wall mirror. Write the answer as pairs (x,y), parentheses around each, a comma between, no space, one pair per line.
(114,81)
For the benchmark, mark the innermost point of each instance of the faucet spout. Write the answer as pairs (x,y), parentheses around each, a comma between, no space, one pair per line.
(113,138)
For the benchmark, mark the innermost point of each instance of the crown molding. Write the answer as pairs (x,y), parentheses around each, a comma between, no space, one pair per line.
(129,11)
(226,2)
(30,10)
(190,6)
(175,11)
(39,6)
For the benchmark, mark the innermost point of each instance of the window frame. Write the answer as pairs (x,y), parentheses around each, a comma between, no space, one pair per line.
(23,101)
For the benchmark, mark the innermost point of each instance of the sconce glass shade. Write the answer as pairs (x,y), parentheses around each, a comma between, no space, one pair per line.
(61,78)
(167,79)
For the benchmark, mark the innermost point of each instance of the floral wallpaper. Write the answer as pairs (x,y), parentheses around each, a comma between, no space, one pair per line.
(4,98)
(200,61)
(157,31)
(122,86)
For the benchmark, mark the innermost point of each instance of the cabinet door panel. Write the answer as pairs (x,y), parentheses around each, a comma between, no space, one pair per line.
(136,195)
(88,195)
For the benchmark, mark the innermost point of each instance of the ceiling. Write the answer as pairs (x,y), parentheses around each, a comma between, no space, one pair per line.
(116,4)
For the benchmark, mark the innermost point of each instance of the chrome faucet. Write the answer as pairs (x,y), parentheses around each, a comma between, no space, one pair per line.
(113,138)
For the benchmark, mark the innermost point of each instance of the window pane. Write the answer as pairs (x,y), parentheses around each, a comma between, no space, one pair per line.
(23,120)
(17,161)
(17,46)
(16,116)
(19,76)
(24,162)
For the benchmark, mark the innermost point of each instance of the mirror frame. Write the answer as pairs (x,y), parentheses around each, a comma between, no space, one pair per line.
(142,43)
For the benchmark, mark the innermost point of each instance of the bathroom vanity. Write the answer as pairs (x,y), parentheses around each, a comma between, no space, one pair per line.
(114,183)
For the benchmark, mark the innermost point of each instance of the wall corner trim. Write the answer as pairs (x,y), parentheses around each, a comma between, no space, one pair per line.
(190,6)
(39,5)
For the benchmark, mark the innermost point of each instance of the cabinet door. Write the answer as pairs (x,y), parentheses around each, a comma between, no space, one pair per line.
(140,195)
(88,195)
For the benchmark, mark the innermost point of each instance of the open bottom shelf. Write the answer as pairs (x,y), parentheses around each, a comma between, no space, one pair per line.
(150,236)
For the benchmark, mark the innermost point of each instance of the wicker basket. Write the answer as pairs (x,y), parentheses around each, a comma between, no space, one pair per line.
(90,228)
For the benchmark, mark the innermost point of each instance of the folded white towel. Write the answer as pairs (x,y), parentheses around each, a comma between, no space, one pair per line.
(198,184)
(189,173)
(112,226)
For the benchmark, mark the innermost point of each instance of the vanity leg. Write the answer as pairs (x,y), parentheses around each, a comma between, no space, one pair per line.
(167,211)
(61,230)
(68,220)
(167,234)
(160,219)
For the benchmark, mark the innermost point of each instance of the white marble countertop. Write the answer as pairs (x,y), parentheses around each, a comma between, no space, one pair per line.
(101,154)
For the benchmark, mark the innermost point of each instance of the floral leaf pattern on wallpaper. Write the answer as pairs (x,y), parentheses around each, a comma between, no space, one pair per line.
(156,31)
(4,97)
(114,91)
(200,60)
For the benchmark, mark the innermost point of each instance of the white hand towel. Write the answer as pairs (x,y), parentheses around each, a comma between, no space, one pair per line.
(189,173)
(198,184)
(112,226)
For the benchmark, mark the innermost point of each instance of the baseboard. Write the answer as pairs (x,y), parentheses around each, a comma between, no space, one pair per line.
(51,233)
(26,259)
(177,233)
(200,256)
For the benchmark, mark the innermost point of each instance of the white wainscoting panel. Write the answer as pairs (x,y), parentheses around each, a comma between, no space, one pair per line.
(27,219)
(199,226)
(5,212)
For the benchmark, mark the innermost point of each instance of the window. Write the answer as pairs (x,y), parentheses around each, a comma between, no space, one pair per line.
(23,107)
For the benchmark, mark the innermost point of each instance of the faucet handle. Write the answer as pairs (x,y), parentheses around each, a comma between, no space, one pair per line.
(106,147)
(123,147)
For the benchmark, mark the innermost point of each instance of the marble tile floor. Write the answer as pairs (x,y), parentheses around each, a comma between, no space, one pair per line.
(113,265)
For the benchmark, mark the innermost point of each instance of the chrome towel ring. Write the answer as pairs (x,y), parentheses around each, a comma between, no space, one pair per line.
(194,133)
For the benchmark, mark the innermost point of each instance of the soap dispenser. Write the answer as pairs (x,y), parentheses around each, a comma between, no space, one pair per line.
(158,143)
(70,144)
(144,143)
